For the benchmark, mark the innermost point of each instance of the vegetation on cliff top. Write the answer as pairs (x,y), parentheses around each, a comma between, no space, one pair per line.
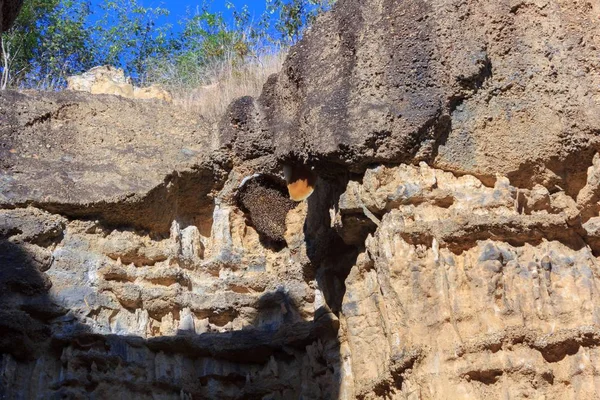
(53,39)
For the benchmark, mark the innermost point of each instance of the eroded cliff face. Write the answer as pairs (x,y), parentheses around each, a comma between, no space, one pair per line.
(466,86)
(444,288)
(449,249)
(468,291)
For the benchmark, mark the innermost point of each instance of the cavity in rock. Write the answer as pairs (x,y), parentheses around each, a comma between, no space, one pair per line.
(266,204)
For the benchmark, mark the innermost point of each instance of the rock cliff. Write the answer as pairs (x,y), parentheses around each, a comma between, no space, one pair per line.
(9,9)
(449,250)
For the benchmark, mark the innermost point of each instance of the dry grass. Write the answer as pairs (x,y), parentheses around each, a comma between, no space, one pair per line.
(223,83)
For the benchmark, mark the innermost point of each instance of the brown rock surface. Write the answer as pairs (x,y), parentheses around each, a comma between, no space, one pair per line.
(9,10)
(105,157)
(448,251)
(463,85)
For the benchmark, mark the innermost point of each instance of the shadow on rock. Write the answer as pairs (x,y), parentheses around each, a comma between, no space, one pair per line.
(25,308)
(45,352)
(331,258)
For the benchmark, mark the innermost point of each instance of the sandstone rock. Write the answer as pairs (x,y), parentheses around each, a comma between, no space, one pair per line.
(31,225)
(102,80)
(386,82)
(131,248)
(110,80)
(589,196)
(110,159)
(152,92)
(483,291)
(449,249)
(190,244)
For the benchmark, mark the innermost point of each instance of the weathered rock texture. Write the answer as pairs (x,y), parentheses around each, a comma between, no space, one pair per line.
(110,80)
(465,291)
(105,157)
(466,86)
(449,250)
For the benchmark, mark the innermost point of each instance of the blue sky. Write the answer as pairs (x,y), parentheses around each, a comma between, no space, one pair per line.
(178,8)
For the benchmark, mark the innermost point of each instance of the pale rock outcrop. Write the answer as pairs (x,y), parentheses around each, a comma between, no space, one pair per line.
(460,294)
(110,80)
(456,290)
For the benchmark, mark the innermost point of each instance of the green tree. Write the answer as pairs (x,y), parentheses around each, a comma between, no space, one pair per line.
(291,17)
(48,41)
(53,39)
(204,44)
(127,35)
